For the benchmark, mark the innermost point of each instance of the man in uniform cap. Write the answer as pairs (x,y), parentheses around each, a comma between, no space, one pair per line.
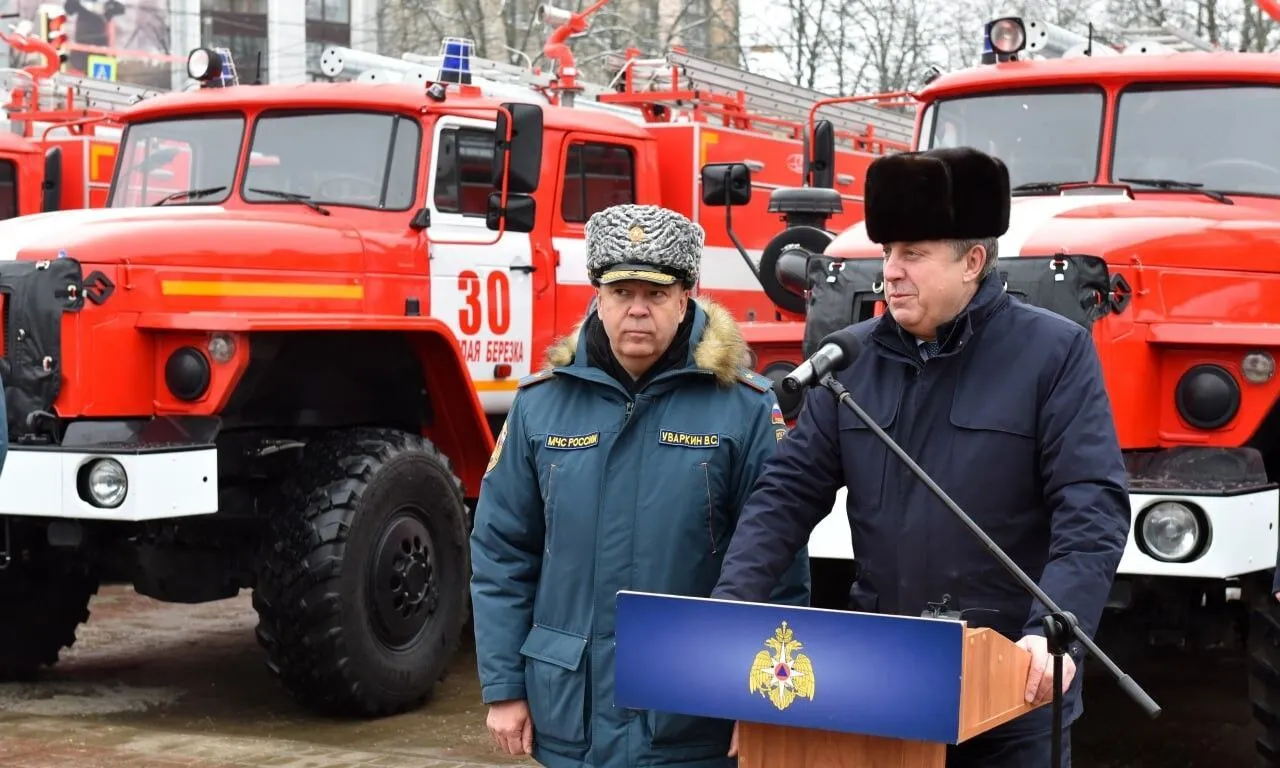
(623,464)
(1001,403)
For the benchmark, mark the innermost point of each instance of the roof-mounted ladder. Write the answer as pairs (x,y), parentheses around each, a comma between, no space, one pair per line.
(765,95)
(85,92)
(1166,37)
(344,63)
(1051,41)
(494,78)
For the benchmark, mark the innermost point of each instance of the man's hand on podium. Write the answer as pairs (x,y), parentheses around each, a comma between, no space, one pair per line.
(1040,674)
(510,726)
(733,742)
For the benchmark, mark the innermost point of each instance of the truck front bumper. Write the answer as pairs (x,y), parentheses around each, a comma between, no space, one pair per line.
(1237,534)
(159,483)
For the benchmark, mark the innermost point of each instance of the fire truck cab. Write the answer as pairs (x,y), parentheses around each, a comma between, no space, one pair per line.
(1146,207)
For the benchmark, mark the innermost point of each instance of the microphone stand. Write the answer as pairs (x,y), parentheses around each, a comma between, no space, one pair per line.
(1059,625)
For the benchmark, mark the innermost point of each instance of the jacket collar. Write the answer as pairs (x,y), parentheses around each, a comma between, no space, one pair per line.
(716,349)
(952,335)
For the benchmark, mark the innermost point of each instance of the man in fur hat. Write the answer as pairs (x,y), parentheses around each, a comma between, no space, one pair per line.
(1001,403)
(623,464)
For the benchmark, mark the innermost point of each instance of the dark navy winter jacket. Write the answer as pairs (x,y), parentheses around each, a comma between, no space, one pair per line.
(592,491)
(1012,421)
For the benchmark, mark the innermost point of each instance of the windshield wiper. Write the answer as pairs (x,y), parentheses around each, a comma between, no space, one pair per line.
(190,193)
(1038,186)
(1189,186)
(294,196)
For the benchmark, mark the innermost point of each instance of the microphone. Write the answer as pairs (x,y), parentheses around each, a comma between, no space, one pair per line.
(1060,626)
(835,352)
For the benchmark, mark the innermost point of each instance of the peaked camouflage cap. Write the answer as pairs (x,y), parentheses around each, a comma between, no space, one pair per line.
(643,242)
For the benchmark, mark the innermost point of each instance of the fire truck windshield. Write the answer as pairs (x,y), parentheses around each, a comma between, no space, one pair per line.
(360,159)
(1217,137)
(1047,135)
(166,158)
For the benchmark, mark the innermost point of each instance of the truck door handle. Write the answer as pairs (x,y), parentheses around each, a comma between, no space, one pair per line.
(526,268)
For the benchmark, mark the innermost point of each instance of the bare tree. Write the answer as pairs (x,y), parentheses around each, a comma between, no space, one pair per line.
(803,37)
(894,38)
(1258,32)
(413,25)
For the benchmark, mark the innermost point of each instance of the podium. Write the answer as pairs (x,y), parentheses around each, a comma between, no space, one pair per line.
(818,687)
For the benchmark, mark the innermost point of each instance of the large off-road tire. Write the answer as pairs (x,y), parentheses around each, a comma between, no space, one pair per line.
(42,604)
(363,589)
(1264,675)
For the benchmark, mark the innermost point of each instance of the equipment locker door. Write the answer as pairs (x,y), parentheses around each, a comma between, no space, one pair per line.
(484,292)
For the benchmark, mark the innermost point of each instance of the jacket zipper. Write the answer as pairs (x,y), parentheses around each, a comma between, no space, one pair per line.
(550,518)
(711,511)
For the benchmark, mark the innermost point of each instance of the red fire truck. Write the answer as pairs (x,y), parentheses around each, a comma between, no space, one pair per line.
(645,138)
(1146,183)
(58,143)
(304,349)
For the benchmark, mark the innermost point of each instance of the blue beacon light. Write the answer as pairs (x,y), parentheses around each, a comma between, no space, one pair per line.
(455,64)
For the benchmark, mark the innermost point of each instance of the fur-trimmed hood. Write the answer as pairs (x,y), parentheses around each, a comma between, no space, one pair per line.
(717,342)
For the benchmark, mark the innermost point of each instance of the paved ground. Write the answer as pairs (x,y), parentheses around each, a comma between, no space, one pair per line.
(170,686)
(150,685)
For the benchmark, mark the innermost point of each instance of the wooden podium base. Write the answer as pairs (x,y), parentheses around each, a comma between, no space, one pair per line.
(776,746)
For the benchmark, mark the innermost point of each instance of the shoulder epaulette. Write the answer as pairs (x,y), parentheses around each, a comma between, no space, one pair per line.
(535,378)
(755,381)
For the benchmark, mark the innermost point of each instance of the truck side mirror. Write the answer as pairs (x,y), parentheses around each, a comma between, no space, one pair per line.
(51,186)
(823,165)
(525,150)
(520,214)
(726,184)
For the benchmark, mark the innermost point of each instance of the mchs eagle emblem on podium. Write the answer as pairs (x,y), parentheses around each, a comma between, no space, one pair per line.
(782,674)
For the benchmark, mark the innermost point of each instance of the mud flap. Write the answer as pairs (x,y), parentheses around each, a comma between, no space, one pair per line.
(36,294)
(845,291)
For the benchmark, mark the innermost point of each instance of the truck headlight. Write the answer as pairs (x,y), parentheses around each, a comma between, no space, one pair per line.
(105,484)
(1172,531)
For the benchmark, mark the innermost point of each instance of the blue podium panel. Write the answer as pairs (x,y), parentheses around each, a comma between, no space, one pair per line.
(889,676)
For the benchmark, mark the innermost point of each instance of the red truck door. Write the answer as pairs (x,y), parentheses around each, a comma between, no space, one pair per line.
(484,292)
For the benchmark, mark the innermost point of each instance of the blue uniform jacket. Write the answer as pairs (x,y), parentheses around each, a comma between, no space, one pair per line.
(1012,421)
(590,492)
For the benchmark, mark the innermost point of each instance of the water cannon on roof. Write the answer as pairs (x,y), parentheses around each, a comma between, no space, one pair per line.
(551,16)
(556,49)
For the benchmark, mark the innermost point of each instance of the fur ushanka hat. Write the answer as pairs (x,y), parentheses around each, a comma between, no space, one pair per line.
(938,194)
